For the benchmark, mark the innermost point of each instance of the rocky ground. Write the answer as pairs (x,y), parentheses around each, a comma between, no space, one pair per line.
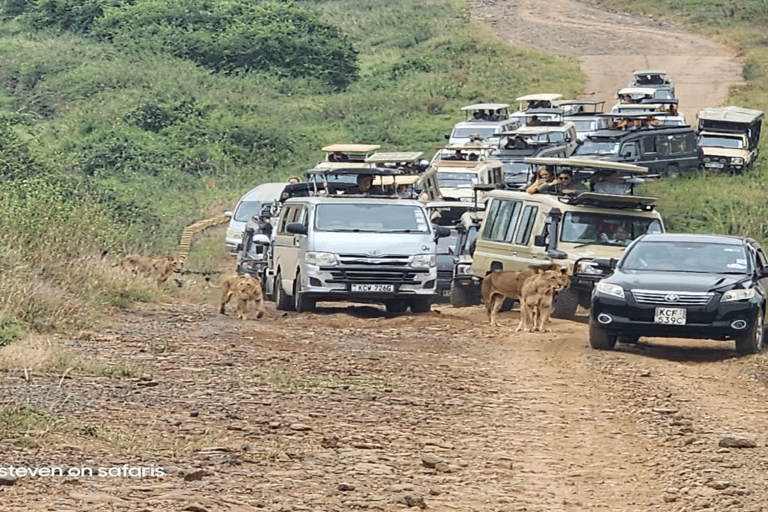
(351,408)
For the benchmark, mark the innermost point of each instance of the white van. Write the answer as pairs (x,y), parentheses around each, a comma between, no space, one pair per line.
(355,249)
(248,206)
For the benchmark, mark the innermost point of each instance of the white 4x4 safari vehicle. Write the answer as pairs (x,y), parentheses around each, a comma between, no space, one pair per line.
(522,229)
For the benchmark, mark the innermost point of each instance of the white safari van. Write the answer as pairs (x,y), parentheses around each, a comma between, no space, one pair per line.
(355,248)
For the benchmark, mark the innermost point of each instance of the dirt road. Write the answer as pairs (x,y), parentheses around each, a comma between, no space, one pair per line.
(349,408)
(612,44)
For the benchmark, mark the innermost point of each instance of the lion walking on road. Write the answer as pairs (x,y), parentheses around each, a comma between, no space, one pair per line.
(160,269)
(536,296)
(242,289)
(507,284)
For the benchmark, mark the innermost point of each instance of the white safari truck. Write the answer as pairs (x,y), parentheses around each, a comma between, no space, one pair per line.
(728,138)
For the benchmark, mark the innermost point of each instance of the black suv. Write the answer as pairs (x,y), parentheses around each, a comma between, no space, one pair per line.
(683,286)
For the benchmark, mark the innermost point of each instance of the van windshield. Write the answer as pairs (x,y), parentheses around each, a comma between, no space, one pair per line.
(246,209)
(378,218)
(456,179)
(598,147)
(596,228)
(719,141)
(466,132)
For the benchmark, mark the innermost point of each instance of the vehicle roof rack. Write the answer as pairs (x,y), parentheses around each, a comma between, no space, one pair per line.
(624,201)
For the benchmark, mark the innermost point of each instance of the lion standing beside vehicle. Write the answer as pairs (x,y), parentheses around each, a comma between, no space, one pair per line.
(242,288)
(536,296)
(507,284)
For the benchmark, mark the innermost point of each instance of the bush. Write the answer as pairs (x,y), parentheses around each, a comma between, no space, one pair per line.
(227,37)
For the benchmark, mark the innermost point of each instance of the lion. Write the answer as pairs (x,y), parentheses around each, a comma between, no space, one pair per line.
(503,284)
(536,297)
(160,269)
(243,288)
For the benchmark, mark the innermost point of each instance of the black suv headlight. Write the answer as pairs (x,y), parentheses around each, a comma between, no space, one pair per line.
(611,289)
(738,294)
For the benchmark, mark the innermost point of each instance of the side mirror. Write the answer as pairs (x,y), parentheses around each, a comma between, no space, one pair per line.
(764,272)
(440,232)
(296,228)
(605,263)
(540,240)
(556,255)
(228,213)
(261,239)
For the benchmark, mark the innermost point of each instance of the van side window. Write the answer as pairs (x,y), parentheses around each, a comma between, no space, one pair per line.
(526,225)
(289,210)
(629,150)
(517,206)
(664,144)
(506,217)
(492,211)
(649,144)
(501,220)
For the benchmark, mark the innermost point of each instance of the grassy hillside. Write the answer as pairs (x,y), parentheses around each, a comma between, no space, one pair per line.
(118,127)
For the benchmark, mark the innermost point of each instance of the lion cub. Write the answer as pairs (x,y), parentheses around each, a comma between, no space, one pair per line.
(243,289)
(536,297)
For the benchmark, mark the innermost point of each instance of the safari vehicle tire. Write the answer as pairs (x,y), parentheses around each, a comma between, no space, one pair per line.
(753,342)
(671,171)
(421,305)
(459,297)
(565,304)
(283,301)
(599,338)
(396,306)
(302,303)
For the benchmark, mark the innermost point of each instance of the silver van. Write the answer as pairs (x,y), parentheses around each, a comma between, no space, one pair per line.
(353,248)
(248,206)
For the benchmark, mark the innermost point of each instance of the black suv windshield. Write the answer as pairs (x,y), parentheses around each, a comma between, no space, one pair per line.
(596,228)
(687,257)
(387,218)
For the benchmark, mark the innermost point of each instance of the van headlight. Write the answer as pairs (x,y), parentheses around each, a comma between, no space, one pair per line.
(320,258)
(738,294)
(613,290)
(424,261)
(464,269)
(234,233)
(737,160)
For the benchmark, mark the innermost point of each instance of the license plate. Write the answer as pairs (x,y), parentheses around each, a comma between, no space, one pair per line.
(714,165)
(373,288)
(670,316)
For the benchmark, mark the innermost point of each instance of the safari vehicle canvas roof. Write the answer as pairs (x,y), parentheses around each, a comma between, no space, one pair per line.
(351,148)
(469,109)
(580,107)
(382,157)
(588,165)
(730,115)
(549,97)
(640,72)
(637,91)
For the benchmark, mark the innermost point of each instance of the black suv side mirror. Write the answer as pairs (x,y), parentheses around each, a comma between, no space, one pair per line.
(540,240)
(296,228)
(763,272)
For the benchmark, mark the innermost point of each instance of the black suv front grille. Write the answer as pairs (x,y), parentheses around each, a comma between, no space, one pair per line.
(657,298)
